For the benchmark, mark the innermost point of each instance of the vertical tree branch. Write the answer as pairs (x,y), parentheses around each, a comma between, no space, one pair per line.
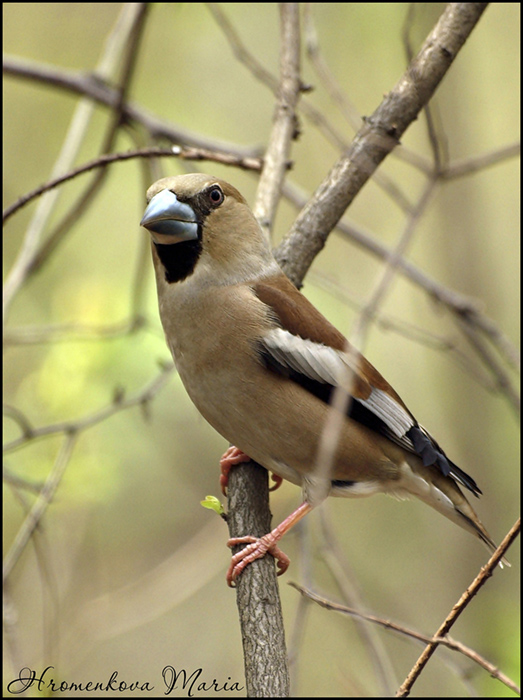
(258,600)
(284,123)
(258,596)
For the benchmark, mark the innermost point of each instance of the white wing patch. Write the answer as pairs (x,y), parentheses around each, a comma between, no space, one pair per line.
(314,360)
(390,412)
(324,364)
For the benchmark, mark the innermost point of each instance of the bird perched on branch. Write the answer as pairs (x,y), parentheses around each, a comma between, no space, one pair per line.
(261,364)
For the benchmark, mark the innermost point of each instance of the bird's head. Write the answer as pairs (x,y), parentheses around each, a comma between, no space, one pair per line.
(198,221)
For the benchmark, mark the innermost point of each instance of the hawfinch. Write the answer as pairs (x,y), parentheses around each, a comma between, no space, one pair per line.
(261,363)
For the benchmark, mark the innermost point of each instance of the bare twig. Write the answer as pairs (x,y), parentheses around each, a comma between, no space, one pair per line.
(377,137)
(353,596)
(186,153)
(480,580)
(40,506)
(346,107)
(243,54)
(467,166)
(21,268)
(401,629)
(91,86)
(132,23)
(71,427)
(465,309)
(284,125)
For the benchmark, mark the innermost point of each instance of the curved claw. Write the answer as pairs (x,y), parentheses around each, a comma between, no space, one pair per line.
(277,482)
(256,548)
(228,460)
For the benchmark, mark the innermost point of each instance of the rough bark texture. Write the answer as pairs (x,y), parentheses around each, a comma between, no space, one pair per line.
(257,589)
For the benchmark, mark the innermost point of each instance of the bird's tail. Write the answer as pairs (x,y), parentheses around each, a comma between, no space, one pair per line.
(444,495)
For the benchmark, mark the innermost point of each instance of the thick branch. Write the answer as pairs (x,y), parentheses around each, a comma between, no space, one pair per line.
(377,137)
(258,598)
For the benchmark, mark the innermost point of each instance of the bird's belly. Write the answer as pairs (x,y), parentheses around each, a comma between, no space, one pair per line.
(240,415)
(275,422)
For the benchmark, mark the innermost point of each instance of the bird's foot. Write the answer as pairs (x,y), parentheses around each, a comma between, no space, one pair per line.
(256,548)
(235,456)
(277,482)
(229,459)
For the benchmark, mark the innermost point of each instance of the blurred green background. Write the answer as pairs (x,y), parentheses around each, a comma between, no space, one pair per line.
(126,570)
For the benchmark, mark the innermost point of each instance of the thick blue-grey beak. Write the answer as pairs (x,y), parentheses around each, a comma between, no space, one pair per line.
(169,220)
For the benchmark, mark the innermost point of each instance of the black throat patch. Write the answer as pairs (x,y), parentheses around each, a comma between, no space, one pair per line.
(179,259)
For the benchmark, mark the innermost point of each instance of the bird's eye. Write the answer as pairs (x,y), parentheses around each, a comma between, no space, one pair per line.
(216,196)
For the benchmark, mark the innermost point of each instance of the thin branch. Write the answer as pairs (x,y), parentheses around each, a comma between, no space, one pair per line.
(392,264)
(339,567)
(345,106)
(413,634)
(467,166)
(240,51)
(480,580)
(140,398)
(284,128)
(71,145)
(72,332)
(501,377)
(40,506)
(437,142)
(257,70)
(465,309)
(337,95)
(185,153)
(411,331)
(340,400)
(132,23)
(91,86)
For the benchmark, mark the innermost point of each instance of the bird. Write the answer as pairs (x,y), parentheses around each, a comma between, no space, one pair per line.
(262,364)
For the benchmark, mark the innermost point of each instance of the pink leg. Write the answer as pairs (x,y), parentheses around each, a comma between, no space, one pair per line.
(257,547)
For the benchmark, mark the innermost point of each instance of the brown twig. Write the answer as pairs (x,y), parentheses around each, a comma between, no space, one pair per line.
(133,31)
(413,634)
(480,580)
(185,153)
(37,511)
(378,136)
(91,86)
(120,403)
(284,128)
(129,21)
(465,309)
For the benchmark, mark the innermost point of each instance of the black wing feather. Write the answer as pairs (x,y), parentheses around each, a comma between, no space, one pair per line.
(416,440)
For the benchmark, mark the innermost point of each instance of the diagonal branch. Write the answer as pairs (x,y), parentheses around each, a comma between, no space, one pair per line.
(377,137)
(480,580)
(413,634)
